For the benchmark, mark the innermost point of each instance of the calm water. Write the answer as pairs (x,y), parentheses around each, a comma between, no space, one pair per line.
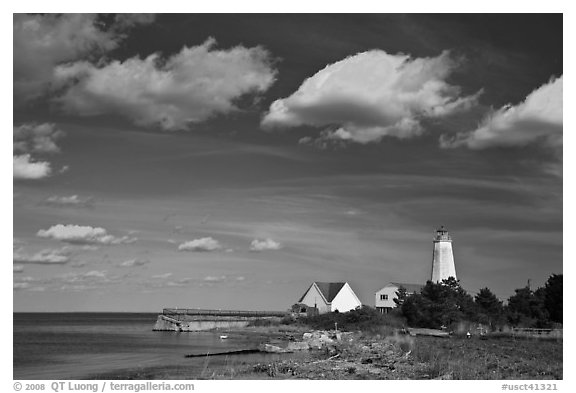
(80,345)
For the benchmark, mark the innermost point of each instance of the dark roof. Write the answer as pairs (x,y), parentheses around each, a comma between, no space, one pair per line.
(328,289)
(411,288)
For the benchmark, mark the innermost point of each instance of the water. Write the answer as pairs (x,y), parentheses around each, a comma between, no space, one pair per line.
(82,345)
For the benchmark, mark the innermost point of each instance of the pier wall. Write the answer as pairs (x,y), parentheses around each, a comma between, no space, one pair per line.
(196,323)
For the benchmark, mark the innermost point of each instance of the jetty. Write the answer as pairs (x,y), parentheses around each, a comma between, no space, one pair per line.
(195,320)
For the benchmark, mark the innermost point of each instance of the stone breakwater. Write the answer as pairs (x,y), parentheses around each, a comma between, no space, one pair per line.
(197,323)
(310,340)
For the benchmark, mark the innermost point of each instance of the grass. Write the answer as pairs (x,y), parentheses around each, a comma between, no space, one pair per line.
(493,358)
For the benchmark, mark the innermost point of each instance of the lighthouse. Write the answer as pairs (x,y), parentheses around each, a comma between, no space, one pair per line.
(442,258)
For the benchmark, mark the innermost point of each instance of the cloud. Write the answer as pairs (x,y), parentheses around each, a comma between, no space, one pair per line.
(36,138)
(162,276)
(264,244)
(27,283)
(124,21)
(326,140)
(95,274)
(83,235)
(220,279)
(215,278)
(180,282)
(18,268)
(173,93)
(371,95)
(82,281)
(539,118)
(202,244)
(90,277)
(25,168)
(16,242)
(21,285)
(70,201)
(134,263)
(44,257)
(41,42)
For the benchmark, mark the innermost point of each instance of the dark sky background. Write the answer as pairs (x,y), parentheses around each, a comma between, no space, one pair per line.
(259,211)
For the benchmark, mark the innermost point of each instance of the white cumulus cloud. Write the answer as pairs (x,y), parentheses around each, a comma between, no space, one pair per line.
(264,244)
(25,168)
(44,257)
(36,138)
(32,138)
(371,95)
(539,118)
(173,93)
(202,244)
(83,235)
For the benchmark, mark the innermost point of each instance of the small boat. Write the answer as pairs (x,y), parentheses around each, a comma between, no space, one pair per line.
(223,337)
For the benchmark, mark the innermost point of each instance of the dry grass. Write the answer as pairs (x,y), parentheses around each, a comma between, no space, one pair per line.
(493,358)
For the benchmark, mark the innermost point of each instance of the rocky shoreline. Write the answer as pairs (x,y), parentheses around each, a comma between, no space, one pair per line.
(297,352)
(405,355)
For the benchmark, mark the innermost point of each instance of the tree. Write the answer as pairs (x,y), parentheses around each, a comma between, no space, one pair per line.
(439,304)
(490,308)
(401,295)
(526,308)
(553,297)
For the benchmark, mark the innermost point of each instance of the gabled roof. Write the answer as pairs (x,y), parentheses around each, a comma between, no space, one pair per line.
(328,290)
(410,288)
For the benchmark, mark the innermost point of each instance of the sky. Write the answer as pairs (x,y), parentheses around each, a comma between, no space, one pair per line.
(228,161)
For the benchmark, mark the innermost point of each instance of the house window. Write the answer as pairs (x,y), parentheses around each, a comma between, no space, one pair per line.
(383,297)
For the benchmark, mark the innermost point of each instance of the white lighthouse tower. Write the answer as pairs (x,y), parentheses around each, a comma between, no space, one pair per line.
(443,258)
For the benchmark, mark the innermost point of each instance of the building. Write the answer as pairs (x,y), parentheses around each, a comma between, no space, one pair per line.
(442,257)
(330,297)
(442,267)
(385,296)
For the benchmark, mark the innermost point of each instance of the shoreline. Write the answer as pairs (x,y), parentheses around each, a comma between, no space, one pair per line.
(358,356)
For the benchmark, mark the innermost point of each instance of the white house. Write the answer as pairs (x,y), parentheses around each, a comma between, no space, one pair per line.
(330,296)
(385,296)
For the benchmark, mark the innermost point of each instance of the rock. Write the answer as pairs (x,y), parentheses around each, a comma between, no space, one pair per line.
(307,336)
(364,348)
(270,348)
(427,332)
(325,339)
(315,343)
(389,353)
(332,349)
(298,346)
